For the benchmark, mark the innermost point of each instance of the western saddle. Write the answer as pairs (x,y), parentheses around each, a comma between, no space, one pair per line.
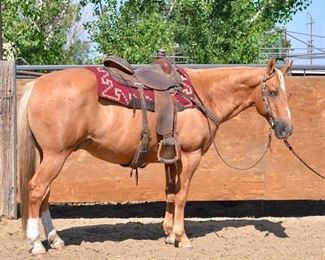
(161,77)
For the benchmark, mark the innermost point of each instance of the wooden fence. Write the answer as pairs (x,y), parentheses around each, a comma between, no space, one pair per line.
(279,176)
(8,139)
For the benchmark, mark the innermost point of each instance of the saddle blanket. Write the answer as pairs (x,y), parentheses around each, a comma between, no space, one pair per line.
(112,90)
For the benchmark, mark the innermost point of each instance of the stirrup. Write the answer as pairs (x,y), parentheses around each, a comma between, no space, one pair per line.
(168,151)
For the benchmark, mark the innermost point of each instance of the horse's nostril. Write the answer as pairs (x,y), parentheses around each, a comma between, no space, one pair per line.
(282,129)
(286,130)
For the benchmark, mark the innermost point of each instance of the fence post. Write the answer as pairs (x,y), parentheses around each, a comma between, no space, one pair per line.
(8,139)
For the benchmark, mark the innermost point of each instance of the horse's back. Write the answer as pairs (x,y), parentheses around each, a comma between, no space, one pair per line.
(64,81)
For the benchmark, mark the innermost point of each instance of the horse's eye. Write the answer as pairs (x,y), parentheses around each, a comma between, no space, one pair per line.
(273,93)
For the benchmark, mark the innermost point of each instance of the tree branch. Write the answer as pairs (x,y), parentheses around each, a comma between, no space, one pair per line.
(259,12)
(171,8)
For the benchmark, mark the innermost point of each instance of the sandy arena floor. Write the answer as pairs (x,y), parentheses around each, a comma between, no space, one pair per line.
(142,238)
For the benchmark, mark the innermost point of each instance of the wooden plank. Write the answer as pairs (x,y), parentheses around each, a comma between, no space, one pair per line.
(86,179)
(8,204)
(241,141)
(286,177)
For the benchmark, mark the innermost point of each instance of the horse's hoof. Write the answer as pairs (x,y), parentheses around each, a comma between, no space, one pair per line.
(184,244)
(38,248)
(170,240)
(56,242)
(57,246)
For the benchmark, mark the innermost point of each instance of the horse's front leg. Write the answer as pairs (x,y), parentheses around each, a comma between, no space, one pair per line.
(190,162)
(171,171)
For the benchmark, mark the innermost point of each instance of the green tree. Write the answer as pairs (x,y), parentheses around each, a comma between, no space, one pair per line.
(132,29)
(40,31)
(208,31)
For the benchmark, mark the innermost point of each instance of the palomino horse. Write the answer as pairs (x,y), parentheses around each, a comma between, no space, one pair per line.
(60,112)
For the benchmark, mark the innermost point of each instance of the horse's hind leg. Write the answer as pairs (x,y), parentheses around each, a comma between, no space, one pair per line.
(38,188)
(170,171)
(51,234)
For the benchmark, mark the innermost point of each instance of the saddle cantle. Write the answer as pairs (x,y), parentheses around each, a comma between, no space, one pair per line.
(163,79)
(159,75)
(118,63)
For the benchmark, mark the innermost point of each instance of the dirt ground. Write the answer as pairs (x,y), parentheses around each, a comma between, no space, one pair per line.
(108,236)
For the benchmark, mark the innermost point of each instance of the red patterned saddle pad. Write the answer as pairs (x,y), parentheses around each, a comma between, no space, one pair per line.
(112,90)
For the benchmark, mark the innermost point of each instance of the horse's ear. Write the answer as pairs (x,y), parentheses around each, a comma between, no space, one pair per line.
(286,67)
(270,66)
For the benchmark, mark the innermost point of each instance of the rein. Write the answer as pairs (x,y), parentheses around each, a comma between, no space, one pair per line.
(215,120)
(271,120)
(301,160)
(267,147)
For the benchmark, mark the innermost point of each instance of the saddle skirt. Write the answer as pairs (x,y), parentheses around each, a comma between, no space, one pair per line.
(110,89)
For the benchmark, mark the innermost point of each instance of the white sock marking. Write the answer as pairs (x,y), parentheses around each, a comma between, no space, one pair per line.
(32,229)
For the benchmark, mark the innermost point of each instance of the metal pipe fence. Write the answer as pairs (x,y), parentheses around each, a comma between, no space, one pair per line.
(22,70)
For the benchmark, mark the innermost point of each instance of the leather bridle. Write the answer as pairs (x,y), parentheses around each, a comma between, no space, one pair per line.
(270,116)
(266,99)
(214,118)
(216,121)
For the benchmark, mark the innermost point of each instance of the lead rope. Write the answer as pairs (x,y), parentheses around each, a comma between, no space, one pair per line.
(269,111)
(301,160)
(244,168)
(214,119)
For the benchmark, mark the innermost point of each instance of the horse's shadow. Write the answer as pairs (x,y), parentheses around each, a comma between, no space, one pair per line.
(153,231)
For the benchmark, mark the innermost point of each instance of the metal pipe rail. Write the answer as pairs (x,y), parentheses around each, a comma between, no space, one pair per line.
(304,70)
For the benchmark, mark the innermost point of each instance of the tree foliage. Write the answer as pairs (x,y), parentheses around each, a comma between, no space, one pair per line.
(207,31)
(132,29)
(38,31)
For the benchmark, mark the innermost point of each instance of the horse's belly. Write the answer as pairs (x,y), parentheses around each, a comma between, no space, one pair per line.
(122,154)
(117,135)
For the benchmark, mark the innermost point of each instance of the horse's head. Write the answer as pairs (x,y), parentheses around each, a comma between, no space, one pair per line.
(272,99)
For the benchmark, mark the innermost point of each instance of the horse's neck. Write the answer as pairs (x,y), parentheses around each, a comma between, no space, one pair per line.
(226,92)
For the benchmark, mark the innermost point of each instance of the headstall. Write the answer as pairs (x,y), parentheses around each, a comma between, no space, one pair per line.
(266,99)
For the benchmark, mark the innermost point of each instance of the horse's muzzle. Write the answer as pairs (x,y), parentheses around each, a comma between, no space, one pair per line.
(281,129)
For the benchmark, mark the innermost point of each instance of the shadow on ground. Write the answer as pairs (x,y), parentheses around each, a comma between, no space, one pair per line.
(153,231)
(205,209)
